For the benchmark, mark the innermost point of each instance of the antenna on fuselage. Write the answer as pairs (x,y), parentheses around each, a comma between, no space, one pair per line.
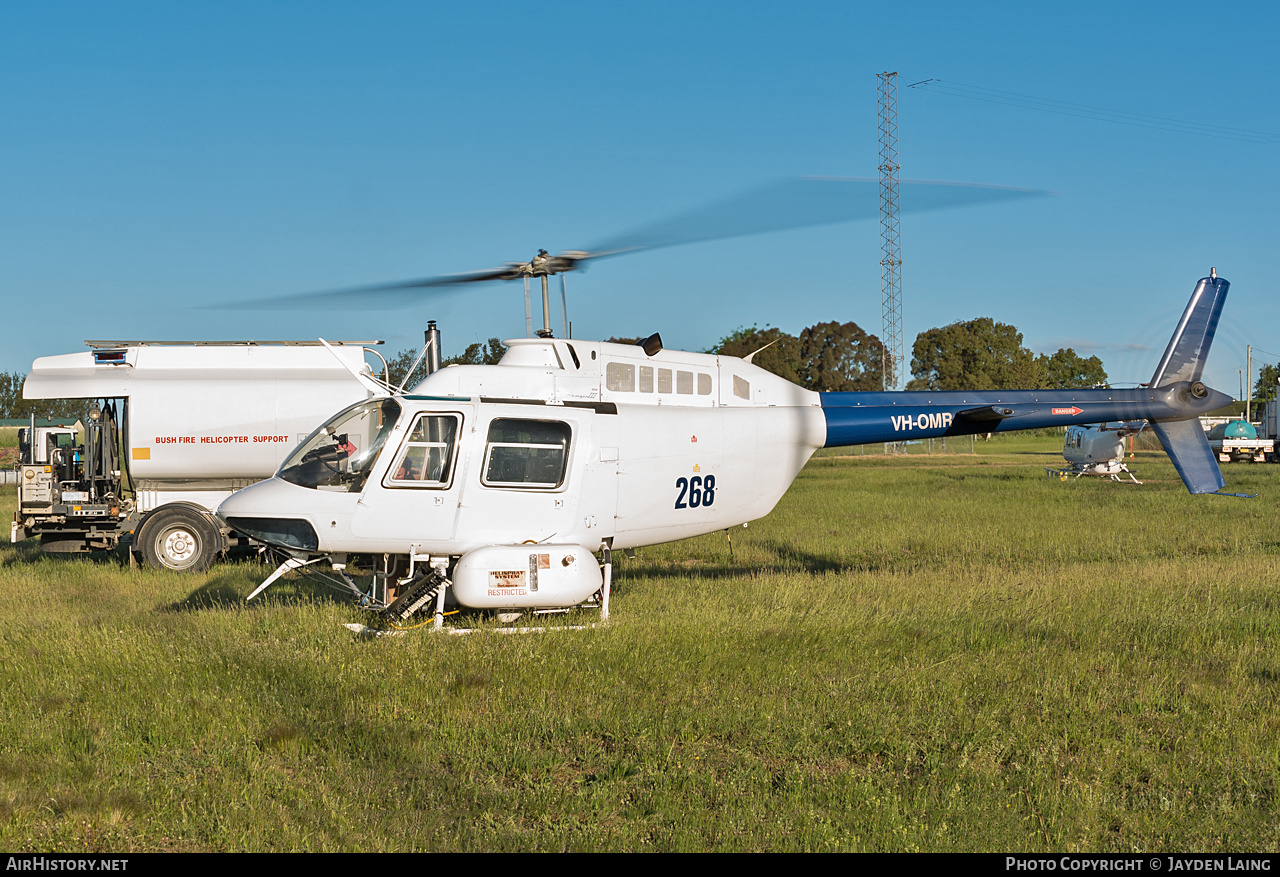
(367,380)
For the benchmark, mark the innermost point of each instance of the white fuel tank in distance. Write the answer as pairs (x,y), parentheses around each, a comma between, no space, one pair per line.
(526,577)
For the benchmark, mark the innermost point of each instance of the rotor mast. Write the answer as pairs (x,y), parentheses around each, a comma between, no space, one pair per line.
(544,266)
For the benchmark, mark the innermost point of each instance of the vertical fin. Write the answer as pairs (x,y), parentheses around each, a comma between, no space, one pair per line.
(1184,358)
(1184,440)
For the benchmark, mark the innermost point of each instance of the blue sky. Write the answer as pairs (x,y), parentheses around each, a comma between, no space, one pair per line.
(159,158)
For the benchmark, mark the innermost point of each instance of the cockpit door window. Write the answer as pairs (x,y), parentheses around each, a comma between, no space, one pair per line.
(427,457)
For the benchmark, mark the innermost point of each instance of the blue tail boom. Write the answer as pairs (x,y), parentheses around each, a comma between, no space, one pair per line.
(1171,402)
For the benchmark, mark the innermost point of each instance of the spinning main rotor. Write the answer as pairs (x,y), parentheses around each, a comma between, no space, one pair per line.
(787,204)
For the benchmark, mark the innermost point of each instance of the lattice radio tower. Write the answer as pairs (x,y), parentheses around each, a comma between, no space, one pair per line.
(890,253)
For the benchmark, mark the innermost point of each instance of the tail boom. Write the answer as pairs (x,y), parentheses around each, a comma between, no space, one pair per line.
(1173,398)
(868,418)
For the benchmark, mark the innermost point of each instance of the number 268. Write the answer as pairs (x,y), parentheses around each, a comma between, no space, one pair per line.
(698,491)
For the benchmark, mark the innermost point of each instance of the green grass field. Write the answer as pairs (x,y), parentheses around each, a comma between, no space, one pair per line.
(911,653)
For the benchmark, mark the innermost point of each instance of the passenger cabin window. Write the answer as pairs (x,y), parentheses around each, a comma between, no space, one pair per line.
(646,379)
(704,384)
(620,377)
(684,383)
(664,380)
(426,460)
(526,453)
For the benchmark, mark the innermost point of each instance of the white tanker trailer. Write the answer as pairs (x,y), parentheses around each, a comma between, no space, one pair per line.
(174,428)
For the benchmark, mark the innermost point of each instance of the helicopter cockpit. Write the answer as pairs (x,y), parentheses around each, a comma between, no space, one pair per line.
(340,454)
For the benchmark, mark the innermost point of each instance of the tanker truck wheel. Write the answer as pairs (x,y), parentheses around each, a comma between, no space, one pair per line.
(180,539)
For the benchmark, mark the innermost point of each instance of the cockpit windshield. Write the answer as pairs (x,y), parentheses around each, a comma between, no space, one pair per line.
(339,455)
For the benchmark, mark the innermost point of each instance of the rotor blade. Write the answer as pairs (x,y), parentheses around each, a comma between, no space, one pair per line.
(378,295)
(798,203)
(786,204)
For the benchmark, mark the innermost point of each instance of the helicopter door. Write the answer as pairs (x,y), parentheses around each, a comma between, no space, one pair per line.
(416,498)
(538,479)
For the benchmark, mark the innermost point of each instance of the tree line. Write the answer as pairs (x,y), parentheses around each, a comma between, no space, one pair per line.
(982,354)
(979,354)
(828,357)
(12,405)
(487,353)
(1264,390)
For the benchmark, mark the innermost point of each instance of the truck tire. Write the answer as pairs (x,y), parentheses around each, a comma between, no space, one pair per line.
(179,539)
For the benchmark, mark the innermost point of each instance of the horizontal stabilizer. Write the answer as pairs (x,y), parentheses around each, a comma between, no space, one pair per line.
(1185,443)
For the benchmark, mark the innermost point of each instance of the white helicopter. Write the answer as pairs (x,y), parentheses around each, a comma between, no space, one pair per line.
(1096,450)
(495,487)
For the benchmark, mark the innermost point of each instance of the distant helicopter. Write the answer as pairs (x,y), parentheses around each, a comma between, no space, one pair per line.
(1096,450)
(495,487)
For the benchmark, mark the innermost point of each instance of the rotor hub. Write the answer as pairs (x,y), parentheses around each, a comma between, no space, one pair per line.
(544,265)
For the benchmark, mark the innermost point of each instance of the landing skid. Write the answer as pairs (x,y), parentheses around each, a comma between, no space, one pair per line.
(1074,473)
(292,563)
(606,566)
(426,581)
